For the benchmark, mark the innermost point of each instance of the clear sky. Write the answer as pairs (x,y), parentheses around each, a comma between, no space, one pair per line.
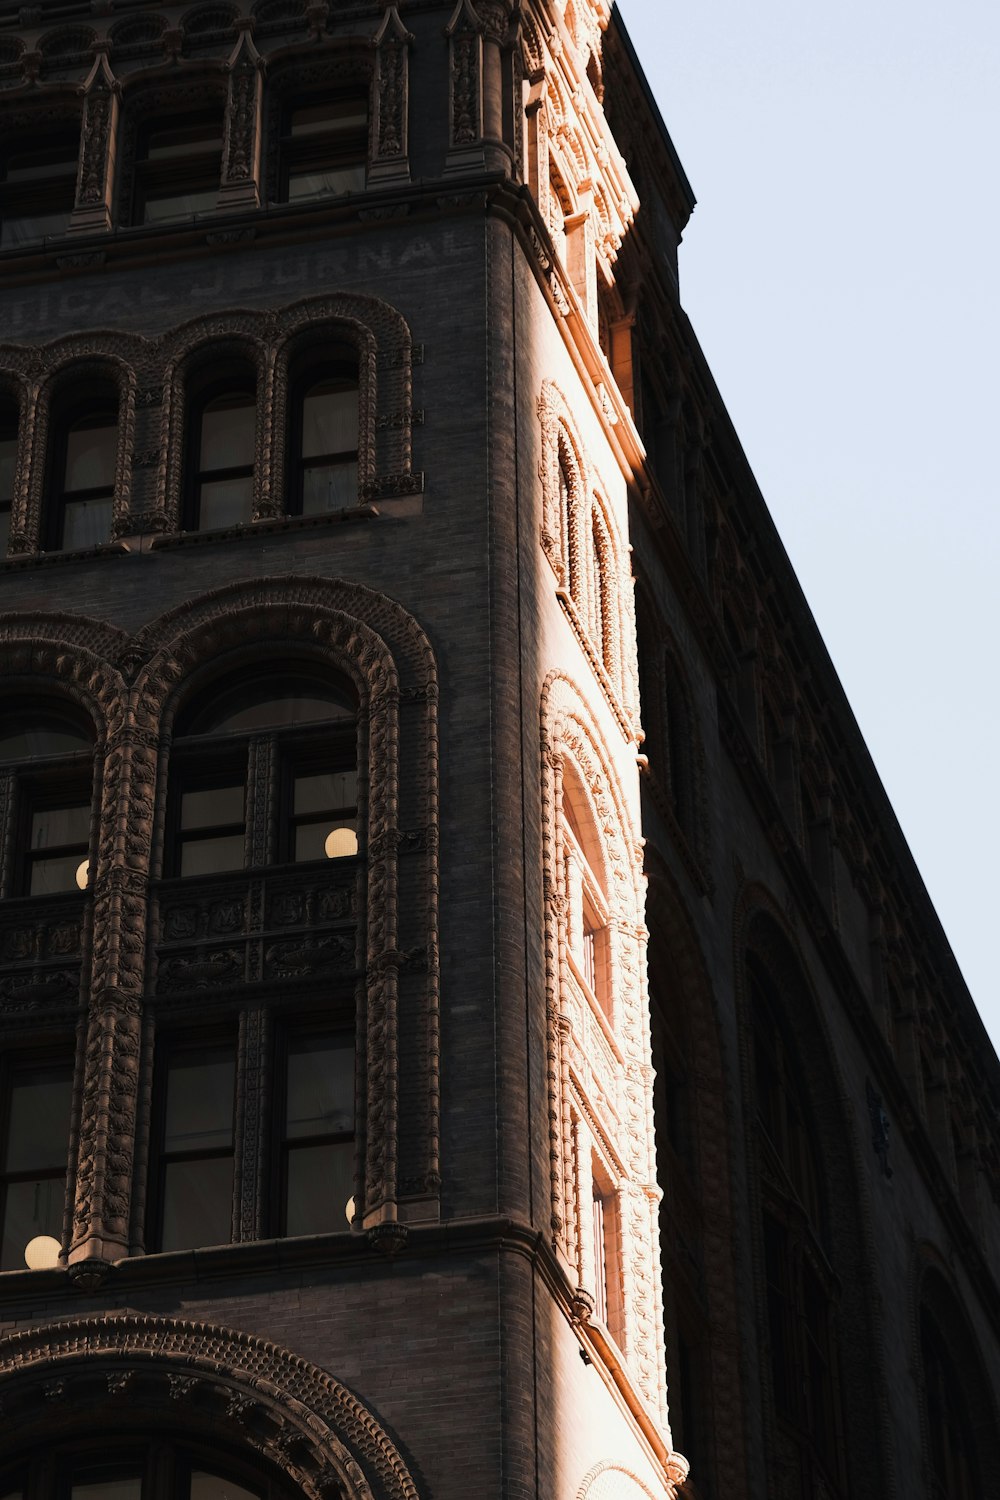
(842,271)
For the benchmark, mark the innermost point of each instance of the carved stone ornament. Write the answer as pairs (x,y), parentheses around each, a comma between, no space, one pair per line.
(95,185)
(241,154)
(321,1437)
(392,42)
(465,38)
(571,739)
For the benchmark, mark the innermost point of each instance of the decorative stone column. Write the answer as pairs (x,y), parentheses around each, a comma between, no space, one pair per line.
(241,157)
(98,147)
(475,37)
(391,103)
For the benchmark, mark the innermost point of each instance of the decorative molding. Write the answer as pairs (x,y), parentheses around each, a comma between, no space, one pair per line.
(391,101)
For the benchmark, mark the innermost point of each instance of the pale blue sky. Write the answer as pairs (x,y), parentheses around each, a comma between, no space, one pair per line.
(842,272)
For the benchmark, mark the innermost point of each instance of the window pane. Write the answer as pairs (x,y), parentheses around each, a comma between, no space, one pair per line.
(326,840)
(329,487)
(325,182)
(213,807)
(20,741)
(199,1113)
(197,1203)
(30,1209)
(38,1123)
(54,827)
(179,205)
(330,118)
(214,855)
(271,703)
(330,791)
(225,502)
(8,456)
(329,421)
(227,432)
(184,141)
(4,531)
(214,1487)
(86,523)
(58,873)
(90,456)
(320,1184)
(26,229)
(124,1488)
(320,1089)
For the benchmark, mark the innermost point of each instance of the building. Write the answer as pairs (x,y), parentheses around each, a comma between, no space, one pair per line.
(441,878)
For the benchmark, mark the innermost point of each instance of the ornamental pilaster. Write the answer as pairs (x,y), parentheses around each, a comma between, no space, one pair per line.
(390,125)
(241,156)
(98,148)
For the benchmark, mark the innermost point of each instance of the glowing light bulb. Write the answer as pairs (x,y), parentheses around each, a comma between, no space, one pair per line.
(350,1211)
(341,843)
(83,874)
(42,1253)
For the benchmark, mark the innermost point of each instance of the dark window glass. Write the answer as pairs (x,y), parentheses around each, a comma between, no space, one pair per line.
(105,1467)
(223,481)
(268,701)
(178,169)
(8,461)
(212,829)
(324,815)
(318,1134)
(324,447)
(38,188)
(81,512)
(324,149)
(27,733)
(196,1149)
(58,849)
(35,1147)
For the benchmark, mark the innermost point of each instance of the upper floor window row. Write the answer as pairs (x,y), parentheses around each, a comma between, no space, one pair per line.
(219,444)
(176,166)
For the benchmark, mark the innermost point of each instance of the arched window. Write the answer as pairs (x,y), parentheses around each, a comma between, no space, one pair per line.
(799,1282)
(84,462)
(324,147)
(586,897)
(295,718)
(37,184)
(263,777)
(49,750)
(178,167)
(8,465)
(222,428)
(324,445)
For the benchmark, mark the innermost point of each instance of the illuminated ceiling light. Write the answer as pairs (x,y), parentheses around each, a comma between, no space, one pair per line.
(82,876)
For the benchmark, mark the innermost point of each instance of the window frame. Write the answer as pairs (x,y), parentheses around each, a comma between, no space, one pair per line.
(169,1047)
(342,364)
(289,1031)
(318,151)
(10,432)
(54,1058)
(234,378)
(67,419)
(34,192)
(200,171)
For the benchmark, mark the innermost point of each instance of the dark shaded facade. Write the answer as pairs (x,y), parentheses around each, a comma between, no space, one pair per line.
(469,1020)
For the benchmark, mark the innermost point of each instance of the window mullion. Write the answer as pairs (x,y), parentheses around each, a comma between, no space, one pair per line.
(261,806)
(9,814)
(253,1091)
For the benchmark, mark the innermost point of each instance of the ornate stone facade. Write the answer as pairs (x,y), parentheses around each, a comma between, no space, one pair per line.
(674,1134)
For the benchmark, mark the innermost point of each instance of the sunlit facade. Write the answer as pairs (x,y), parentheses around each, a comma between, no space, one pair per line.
(469,1025)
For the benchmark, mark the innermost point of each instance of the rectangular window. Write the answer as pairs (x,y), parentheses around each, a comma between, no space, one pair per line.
(179,169)
(211,832)
(195,1199)
(35,1145)
(324,149)
(324,815)
(317,1134)
(38,188)
(607,1276)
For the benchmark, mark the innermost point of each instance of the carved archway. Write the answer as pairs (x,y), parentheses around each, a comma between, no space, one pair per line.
(250,1392)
